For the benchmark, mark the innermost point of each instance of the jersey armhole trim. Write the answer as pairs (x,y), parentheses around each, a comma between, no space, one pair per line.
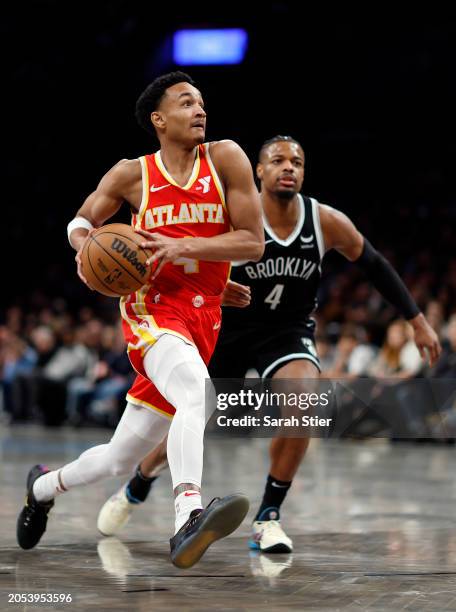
(317,226)
(145,192)
(215,176)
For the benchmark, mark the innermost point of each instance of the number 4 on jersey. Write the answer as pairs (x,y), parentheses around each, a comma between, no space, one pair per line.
(274,297)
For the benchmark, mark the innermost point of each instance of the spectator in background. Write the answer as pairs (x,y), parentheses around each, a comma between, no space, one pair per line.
(353,353)
(16,358)
(96,397)
(396,359)
(24,390)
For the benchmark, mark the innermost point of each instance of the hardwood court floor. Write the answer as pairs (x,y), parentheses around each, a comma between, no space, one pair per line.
(373,526)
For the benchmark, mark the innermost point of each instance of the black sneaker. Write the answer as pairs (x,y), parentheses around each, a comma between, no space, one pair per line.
(31,522)
(220,518)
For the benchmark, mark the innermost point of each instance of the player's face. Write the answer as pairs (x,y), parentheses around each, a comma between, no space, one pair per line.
(281,170)
(181,115)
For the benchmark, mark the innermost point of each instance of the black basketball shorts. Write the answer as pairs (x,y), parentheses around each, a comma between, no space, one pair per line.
(264,348)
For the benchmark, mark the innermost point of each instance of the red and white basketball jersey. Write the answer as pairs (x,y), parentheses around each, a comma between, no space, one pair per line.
(196,210)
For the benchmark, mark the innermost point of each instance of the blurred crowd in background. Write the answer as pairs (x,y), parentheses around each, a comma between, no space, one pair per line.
(63,363)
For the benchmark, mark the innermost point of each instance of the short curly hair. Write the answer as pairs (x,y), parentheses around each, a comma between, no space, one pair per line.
(275,139)
(151,97)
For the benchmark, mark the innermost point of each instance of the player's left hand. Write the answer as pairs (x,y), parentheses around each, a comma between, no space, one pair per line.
(165,249)
(426,339)
(236,294)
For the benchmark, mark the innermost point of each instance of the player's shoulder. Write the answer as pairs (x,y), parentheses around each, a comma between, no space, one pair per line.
(222,150)
(330,215)
(125,171)
(228,158)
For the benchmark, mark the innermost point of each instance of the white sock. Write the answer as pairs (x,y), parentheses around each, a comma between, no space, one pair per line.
(184,504)
(48,486)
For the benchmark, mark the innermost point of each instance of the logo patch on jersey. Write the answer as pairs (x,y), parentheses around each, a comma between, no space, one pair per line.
(306,241)
(205,182)
(153,188)
(310,346)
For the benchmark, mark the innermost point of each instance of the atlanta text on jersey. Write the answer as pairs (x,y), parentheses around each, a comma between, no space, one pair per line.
(159,216)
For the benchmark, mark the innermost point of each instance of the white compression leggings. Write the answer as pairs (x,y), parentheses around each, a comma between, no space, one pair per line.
(179,373)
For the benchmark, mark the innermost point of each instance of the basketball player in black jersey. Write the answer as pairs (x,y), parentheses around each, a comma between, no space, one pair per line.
(275,333)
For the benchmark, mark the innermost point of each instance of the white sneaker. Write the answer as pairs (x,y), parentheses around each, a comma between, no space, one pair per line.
(269,537)
(115,513)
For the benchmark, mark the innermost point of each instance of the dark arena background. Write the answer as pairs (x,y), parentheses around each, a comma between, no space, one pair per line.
(371,99)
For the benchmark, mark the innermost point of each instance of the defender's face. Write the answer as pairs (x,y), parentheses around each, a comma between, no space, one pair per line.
(281,169)
(181,116)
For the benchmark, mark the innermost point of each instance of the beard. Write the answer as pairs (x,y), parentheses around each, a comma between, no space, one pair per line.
(285,194)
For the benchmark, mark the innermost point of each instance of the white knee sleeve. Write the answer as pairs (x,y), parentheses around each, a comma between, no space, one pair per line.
(179,373)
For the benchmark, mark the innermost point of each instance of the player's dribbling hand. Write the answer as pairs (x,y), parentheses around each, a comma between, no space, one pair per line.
(79,262)
(165,249)
(236,294)
(426,339)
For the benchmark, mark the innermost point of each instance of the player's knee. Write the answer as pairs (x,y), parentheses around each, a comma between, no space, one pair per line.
(120,466)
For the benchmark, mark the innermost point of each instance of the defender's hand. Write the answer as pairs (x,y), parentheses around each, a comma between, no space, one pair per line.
(426,338)
(236,294)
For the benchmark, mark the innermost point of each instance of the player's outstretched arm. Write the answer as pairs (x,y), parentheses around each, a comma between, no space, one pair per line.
(117,185)
(340,233)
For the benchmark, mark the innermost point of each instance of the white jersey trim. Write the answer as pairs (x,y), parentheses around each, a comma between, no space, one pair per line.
(297,230)
(215,176)
(317,226)
(191,179)
(145,192)
(291,357)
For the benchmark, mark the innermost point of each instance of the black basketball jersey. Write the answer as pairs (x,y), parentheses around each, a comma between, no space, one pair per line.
(284,283)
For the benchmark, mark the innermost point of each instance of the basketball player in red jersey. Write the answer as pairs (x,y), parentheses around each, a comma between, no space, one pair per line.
(185,200)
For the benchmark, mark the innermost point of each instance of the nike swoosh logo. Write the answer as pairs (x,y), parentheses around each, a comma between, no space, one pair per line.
(274,484)
(307,239)
(268,241)
(186,494)
(153,188)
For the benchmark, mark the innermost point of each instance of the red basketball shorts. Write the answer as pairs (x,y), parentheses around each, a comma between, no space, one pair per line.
(193,317)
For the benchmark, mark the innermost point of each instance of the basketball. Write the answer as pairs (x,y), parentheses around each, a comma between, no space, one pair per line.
(113,261)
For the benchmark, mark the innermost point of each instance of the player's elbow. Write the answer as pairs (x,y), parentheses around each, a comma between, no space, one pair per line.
(257,249)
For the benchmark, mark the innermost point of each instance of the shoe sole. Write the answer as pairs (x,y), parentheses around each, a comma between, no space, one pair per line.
(274,549)
(277,549)
(218,523)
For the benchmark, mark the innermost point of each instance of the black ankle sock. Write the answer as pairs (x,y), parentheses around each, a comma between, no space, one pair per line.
(274,494)
(139,486)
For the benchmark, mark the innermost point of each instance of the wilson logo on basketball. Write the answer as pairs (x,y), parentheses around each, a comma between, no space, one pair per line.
(129,255)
